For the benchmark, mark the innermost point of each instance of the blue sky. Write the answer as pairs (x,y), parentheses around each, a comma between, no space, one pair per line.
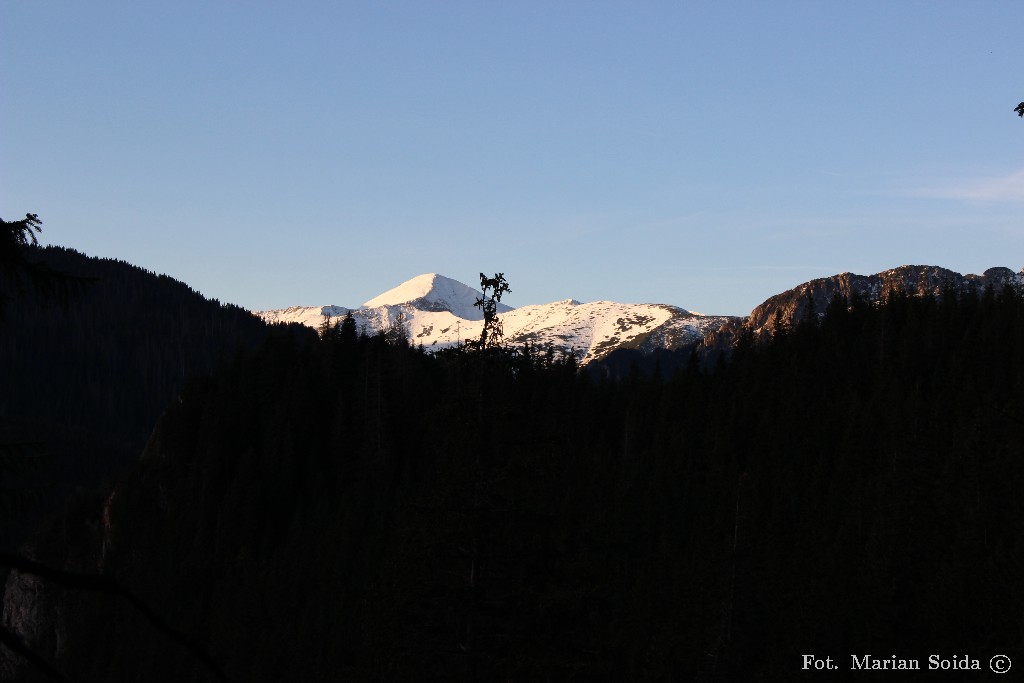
(704,154)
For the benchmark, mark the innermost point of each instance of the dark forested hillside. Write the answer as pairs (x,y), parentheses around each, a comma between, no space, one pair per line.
(88,379)
(348,509)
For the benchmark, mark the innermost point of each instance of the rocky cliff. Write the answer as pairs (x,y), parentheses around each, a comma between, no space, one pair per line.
(813,298)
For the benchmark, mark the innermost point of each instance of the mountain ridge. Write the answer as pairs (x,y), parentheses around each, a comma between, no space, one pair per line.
(439,312)
(814,296)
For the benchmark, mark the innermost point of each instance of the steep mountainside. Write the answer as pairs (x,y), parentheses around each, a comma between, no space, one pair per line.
(439,312)
(88,381)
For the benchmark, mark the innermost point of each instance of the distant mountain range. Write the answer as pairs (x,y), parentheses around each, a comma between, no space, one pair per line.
(439,312)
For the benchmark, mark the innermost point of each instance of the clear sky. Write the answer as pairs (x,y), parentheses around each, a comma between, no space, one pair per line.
(703,154)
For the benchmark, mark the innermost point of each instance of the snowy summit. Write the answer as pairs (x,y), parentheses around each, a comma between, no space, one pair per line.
(433,292)
(439,312)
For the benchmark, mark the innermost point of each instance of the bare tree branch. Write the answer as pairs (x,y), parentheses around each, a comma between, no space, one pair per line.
(109,586)
(16,645)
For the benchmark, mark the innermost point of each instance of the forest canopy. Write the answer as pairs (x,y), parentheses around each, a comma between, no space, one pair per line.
(345,507)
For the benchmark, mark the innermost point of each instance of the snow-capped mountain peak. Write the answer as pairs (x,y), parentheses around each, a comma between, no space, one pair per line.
(439,312)
(434,292)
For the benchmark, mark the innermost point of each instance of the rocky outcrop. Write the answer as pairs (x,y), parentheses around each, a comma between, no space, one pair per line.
(813,298)
(42,610)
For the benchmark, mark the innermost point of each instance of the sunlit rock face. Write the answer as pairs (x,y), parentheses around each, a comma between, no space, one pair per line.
(814,297)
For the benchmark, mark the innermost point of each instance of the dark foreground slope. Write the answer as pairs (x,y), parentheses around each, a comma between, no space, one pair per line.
(87,380)
(349,510)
